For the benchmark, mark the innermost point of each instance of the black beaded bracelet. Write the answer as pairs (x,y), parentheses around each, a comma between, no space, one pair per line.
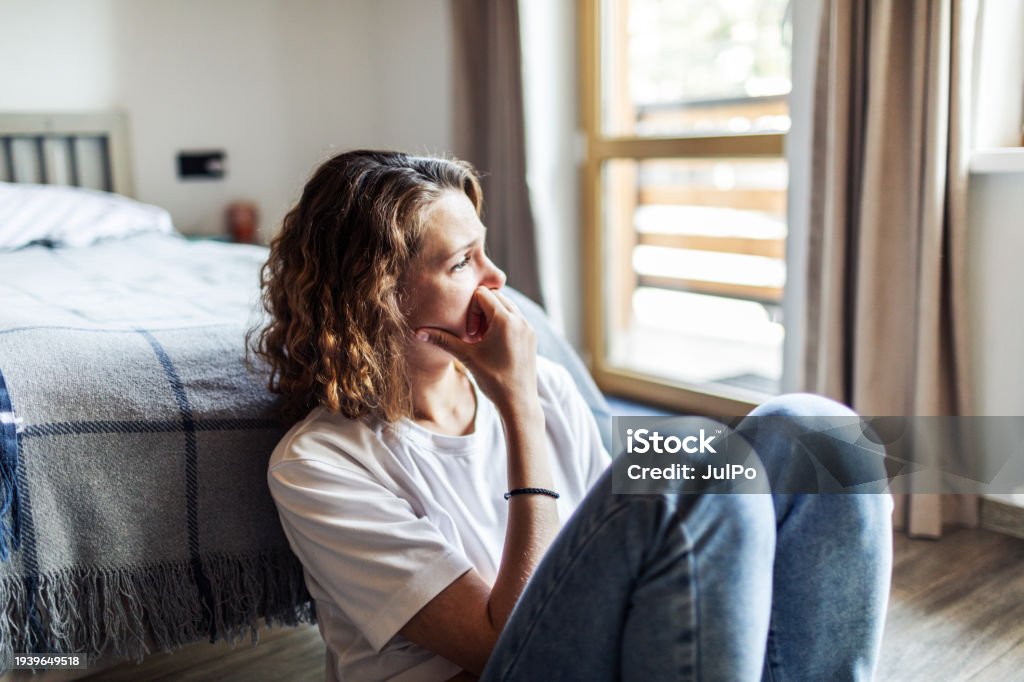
(532,491)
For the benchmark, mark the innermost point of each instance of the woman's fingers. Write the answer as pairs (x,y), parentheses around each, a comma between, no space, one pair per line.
(499,300)
(488,302)
(447,341)
(483,308)
(507,302)
(498,346)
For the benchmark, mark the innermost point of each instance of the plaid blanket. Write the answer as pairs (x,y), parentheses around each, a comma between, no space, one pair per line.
(134,511)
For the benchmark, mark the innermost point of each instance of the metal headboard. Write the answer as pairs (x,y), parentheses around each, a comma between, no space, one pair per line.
(80,149)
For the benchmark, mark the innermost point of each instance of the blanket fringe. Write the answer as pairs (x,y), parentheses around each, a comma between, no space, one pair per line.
(131,612)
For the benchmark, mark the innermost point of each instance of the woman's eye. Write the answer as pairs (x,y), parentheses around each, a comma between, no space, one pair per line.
(461,264)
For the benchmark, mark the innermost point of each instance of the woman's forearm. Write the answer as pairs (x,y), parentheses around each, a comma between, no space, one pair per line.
(532,519)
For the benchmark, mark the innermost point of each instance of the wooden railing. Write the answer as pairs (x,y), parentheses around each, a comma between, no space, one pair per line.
(686,116)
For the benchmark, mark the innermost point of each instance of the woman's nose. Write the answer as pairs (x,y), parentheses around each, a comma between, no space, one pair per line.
(494,277)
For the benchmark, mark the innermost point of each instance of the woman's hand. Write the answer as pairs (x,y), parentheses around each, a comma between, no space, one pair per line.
(465,620)
(501,351)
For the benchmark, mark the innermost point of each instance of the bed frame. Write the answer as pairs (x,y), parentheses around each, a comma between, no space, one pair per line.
(65,148)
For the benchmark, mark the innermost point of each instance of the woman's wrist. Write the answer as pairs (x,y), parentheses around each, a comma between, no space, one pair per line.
(521,411)
(528,465)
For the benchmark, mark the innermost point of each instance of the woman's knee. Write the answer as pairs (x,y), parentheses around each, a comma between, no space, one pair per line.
(809,444)
(862,523)
(801,405)
(745,522)
(874,513)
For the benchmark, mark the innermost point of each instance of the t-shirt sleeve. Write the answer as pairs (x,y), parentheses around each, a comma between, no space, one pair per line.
(365,546)
(594,458)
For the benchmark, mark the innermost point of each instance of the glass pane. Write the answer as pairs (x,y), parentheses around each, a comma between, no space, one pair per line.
(695,270)
(675,67)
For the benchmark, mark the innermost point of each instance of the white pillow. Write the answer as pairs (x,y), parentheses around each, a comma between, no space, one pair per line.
(72,216)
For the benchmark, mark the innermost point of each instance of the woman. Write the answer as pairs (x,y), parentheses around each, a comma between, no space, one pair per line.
(448,494)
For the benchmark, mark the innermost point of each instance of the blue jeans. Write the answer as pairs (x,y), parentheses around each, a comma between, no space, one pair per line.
(709,587)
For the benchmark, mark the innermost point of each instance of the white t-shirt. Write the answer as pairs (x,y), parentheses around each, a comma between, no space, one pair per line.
(384,518)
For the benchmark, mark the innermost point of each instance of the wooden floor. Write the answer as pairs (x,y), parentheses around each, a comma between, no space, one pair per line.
(956,613)
(957,609)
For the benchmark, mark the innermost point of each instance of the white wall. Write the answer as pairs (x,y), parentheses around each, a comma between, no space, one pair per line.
(277,84)
(806,15)
(551,93)
(996,202)
(411,77)
(56,55)
(995,282)
(999,75)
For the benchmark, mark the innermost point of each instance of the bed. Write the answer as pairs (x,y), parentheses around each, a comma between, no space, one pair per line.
(133,506)
(134,513)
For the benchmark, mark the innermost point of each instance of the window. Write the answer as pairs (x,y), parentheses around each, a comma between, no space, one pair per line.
(685,111)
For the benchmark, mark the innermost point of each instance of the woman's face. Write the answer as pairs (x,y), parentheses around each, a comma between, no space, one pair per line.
(451,265)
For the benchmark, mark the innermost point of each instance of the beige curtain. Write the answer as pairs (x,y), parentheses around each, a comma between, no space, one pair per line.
(489,131)
(886,325)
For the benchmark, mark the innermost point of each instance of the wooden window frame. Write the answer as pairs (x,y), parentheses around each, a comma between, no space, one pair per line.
(599,148)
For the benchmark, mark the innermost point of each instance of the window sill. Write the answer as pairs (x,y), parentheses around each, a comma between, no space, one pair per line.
(1008,160)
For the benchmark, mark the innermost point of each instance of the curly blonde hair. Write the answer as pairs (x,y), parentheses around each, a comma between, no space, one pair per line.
(332,284)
